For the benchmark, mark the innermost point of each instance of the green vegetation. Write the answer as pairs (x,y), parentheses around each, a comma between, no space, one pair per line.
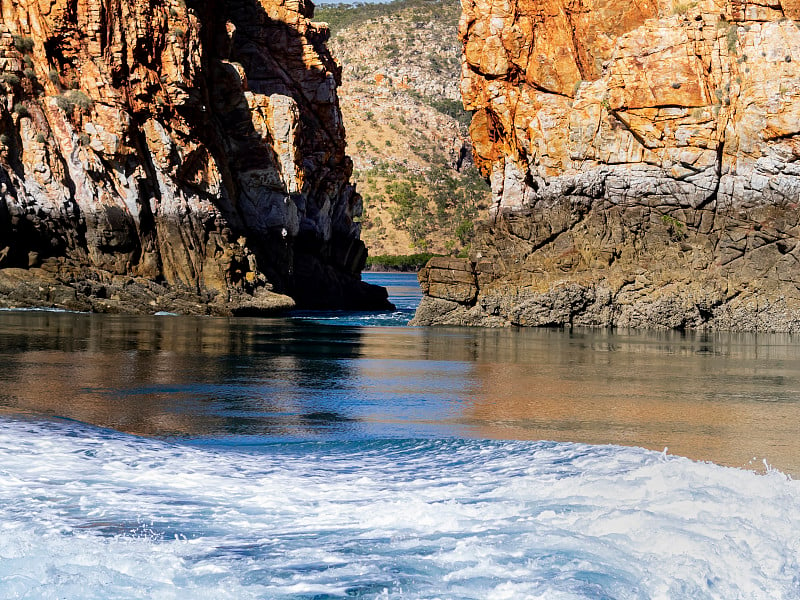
(23,43)
(446,106)
(683,7)
(342,16)
(451,108)
(74,98)
(415,200)
(438,202)
(731,34)
(403,262)
(392,50)
(21,110)
(464,231)
(675,228)
(732,37)
(10,79)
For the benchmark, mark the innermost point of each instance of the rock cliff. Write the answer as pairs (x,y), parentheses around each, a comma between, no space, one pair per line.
(643,158)
(183,156)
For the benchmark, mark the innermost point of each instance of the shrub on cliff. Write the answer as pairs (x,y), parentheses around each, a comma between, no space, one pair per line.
(23,43)
(73,98)
(341,16)
(10,80)
(21,110)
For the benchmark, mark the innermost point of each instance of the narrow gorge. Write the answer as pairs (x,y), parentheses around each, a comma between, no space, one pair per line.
(174,156)
(644,166)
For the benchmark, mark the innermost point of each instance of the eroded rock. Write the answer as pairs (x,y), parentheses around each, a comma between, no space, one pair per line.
(643,161)
(195,149)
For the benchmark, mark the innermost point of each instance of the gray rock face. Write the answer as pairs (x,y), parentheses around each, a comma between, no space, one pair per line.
(589,262)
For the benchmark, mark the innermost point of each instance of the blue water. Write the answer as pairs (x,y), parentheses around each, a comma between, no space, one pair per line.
(346,456)
(405,295)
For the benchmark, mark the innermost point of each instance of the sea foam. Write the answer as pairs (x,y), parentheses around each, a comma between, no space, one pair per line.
(92,513)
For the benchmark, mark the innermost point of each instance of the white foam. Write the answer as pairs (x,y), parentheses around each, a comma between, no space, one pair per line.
(87,513)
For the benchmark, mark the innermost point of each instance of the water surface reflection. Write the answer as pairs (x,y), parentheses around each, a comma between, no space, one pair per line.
(173,376)
(721,397)
(725,397)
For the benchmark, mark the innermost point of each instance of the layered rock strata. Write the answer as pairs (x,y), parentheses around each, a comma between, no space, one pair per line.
(181,156)
(644,166)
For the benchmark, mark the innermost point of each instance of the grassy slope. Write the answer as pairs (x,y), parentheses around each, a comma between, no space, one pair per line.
(406,128)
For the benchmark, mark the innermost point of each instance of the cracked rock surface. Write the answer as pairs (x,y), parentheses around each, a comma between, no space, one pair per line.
(644,165)
(174,156)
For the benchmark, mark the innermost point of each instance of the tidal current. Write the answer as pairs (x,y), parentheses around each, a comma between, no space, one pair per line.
(339,455)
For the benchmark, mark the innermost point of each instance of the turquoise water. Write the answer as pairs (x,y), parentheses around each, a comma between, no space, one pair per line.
(344,455)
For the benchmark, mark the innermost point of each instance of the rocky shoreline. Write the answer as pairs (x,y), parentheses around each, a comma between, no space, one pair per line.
(619,268)
(38,288)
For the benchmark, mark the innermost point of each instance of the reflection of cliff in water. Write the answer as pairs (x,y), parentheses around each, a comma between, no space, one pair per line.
(175,375)
(721,397)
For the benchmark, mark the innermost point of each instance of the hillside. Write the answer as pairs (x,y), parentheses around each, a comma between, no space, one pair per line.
(407,131)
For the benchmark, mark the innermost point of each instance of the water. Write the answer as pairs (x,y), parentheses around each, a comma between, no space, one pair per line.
(405,295)
(318,457)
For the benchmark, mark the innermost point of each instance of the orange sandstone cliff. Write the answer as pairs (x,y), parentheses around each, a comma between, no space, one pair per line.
(180,156)
(644,165)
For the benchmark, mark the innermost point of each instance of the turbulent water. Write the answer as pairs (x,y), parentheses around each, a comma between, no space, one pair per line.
(337,455)
(88,513)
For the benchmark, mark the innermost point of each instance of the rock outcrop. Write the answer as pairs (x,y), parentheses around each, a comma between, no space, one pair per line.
(644,165)
(182,156)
